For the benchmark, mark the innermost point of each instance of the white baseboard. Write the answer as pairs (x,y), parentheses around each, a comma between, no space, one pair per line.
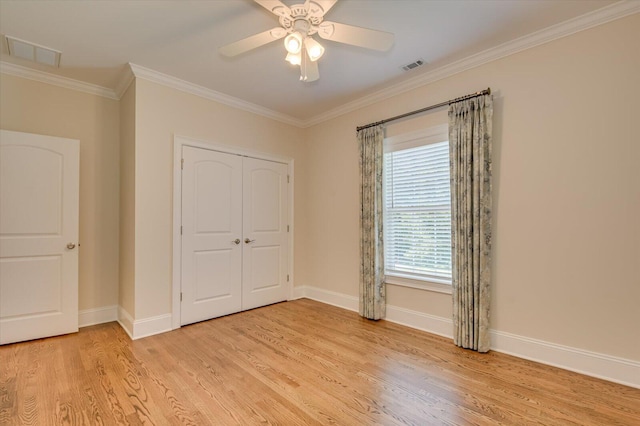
(421,321)
(95,316)
(153,325)
(137,329)
(126,321)
(425,322)
(602,366)
(331,298)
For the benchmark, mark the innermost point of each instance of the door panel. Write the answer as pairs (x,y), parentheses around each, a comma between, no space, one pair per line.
(212,221)
(31,285)
(39,213)
(39,193)
(265,239)
(213,276)
(265,272)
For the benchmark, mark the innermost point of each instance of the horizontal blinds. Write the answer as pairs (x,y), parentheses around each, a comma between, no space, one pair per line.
(418,212)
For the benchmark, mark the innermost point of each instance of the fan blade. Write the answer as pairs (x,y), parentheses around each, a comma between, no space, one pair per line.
(319,8)
(275,6)
(252,42)
(357,36)
(309,70)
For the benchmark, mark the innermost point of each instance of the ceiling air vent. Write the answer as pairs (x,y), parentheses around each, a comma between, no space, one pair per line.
(33,52)
(413,65)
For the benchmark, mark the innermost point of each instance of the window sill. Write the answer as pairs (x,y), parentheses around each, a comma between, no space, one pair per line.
(436,286)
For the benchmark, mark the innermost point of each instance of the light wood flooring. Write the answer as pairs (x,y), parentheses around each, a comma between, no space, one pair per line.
(294,363)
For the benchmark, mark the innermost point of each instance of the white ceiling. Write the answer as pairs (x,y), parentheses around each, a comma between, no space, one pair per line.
(180,39)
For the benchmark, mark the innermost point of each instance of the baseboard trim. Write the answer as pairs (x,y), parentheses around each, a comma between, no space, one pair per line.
(331,298)
(602,366)
(424,322)
(137,329)
(126,321)
(150,326)
(95,316)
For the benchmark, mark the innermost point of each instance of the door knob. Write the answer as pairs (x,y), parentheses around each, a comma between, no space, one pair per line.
(71,246)
(247,241)
(236,241)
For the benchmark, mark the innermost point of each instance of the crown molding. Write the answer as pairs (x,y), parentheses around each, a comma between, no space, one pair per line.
(56,80)
(194,89)
(125,80)
(589,20)
(601,16)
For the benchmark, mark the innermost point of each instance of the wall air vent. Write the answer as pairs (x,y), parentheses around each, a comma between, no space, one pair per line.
(413,65)
(33,52)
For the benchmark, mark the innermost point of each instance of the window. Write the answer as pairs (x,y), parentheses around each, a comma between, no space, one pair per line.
(417,216)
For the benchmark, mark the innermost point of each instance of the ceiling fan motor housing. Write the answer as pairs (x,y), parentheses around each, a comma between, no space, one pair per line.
(302,20)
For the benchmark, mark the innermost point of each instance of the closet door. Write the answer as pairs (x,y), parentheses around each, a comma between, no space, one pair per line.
(211,235)
(265,240)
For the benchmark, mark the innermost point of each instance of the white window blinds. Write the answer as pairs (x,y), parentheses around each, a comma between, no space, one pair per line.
(418,212)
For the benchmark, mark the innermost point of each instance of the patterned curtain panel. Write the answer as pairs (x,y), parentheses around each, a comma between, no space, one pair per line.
(372,289)
(470,157)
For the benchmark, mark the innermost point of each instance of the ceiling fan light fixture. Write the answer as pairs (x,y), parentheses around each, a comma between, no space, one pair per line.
(298,24)
(314,49)
(293,43)
(294,58)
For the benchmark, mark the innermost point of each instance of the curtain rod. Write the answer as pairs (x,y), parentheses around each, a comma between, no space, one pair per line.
(418,111)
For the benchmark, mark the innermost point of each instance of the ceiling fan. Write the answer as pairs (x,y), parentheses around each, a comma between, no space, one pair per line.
(298,24)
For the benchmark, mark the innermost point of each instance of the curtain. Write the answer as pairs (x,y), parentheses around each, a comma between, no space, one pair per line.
(470,160)
(372,303)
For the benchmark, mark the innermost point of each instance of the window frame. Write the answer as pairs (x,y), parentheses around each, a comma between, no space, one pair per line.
(431,135)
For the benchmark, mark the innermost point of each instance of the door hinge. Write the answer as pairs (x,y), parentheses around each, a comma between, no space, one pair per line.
(182,164)
(287,178)
(287,277)
(180,229)
(287,228)
(181,296)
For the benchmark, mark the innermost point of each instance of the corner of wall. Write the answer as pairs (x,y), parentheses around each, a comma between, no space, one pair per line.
(126,286)
(126,321)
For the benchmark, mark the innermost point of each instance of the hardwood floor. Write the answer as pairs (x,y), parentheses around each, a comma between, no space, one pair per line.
(294,363)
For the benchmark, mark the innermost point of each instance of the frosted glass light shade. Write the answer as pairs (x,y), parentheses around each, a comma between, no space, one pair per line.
(314,49)
(294,58)
(293,43)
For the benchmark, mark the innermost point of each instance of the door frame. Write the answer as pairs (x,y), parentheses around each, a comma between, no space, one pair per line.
(179,142)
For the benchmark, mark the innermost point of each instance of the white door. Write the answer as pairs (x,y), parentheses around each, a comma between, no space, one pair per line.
(39,187)
(234,234)
(265,239)
(211,234)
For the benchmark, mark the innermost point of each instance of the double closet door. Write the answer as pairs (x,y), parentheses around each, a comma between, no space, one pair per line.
(234,234)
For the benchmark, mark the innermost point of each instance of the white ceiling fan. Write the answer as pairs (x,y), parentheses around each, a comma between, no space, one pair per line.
(298,25)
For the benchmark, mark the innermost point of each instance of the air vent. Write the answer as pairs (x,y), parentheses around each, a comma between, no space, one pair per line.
(33,52)
(413,65)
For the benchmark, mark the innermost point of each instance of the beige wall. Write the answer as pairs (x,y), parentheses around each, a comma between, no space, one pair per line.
(126,294)
(566,191)
(161,113)
(566,181)
(33,107)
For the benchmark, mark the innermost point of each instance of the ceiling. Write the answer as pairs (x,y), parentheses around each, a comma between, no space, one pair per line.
(181,38)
